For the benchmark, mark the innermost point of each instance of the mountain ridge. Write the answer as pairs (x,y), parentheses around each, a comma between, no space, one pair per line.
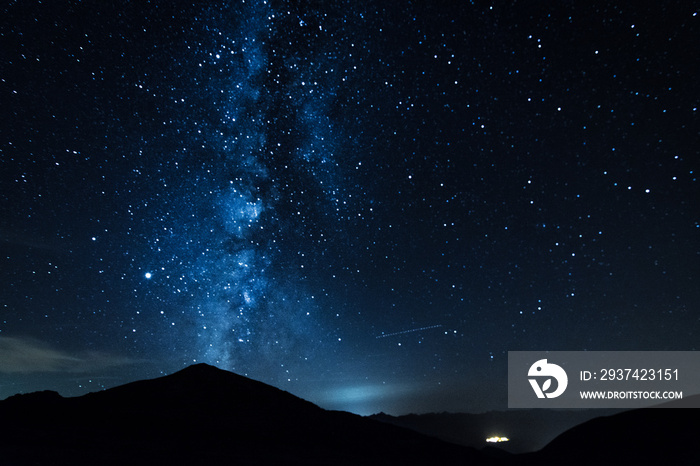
(208,416)
(204,415)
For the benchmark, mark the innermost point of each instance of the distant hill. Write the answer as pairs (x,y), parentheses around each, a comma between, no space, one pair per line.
(204,416)
(572,437)
(650,436)
(528,429)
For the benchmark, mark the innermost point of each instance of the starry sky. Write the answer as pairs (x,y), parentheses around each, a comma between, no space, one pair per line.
(366,204)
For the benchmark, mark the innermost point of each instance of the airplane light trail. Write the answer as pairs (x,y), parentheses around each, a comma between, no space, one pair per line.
(384,335)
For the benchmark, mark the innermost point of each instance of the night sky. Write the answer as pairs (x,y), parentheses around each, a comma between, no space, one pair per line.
(367,204)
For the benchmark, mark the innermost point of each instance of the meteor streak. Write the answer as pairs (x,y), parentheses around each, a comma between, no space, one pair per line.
(384,335)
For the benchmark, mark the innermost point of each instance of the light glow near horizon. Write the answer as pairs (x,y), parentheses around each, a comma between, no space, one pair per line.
(497,439)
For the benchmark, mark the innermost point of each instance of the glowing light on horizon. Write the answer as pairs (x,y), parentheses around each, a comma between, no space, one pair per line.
(497,439)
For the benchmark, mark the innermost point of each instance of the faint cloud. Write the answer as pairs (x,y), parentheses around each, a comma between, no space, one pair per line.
(26,240)
(27,355)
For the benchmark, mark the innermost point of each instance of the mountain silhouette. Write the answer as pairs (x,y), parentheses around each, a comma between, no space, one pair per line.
(204,415)
(650,436)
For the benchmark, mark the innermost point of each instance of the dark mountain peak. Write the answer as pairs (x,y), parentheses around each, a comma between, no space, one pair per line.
(202,369)
(199,389)
(206,377)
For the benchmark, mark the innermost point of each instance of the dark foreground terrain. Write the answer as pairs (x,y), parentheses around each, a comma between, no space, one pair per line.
(206,416)
(528,430)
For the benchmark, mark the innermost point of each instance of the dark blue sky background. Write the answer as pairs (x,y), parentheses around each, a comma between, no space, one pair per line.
(365,204)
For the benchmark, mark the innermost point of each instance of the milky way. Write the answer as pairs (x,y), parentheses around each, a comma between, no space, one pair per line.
(274,188)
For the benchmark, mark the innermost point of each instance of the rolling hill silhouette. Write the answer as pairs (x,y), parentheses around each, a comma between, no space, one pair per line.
(653,436)
(204,415)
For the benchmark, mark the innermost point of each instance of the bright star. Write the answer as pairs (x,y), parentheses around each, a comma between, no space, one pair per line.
(148,275)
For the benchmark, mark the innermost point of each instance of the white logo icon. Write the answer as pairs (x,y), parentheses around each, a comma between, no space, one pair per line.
(543,369)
